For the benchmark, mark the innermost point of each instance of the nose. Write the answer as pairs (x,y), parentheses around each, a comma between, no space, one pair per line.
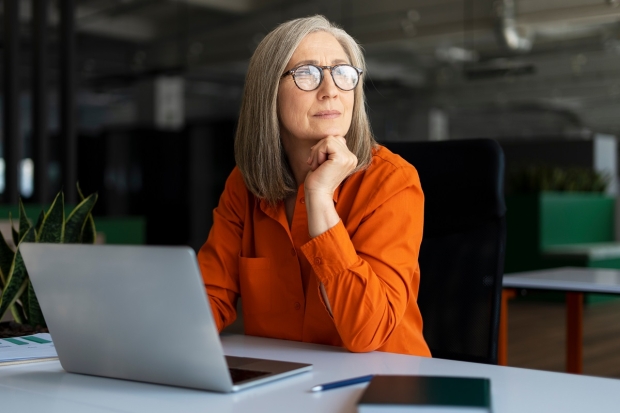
(328,88)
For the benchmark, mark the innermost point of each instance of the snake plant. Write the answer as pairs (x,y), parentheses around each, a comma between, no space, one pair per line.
(51,226)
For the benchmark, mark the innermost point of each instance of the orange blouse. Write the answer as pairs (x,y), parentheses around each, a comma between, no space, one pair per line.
(368,263)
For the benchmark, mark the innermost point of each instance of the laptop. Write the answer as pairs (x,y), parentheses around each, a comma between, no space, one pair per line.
(138,313)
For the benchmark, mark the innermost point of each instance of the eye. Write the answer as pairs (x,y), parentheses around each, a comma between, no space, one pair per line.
(307,77)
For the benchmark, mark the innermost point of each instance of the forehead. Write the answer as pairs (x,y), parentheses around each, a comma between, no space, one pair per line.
(321,47)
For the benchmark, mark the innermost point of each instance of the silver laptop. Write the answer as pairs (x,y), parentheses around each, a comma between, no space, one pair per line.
(138,313)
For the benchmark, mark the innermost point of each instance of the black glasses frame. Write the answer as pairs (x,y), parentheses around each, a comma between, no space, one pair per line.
(321,70)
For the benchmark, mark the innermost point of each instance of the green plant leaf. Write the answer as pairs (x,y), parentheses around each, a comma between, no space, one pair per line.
(36,315)
(77,184)
(53,225)
(15,285)
(14,233)
(18,313)
(7,255)
(24,223)
(29,236)
(37,227)
(78,218)
(89,232)
(25,301)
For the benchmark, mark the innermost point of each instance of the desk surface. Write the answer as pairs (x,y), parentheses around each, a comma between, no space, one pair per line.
(592,280)
(45,387)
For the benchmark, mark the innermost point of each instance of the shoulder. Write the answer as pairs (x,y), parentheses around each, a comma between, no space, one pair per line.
(235,190)
(387,176)
(235,180)
(388,167)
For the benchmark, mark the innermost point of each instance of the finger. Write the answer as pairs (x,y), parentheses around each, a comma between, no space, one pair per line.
(323,153)
(314,163)
(314,154)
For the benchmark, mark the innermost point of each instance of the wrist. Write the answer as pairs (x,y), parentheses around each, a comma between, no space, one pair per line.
(322,215)
(318,195)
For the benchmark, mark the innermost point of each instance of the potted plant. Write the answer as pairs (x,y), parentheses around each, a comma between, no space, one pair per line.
(18,296)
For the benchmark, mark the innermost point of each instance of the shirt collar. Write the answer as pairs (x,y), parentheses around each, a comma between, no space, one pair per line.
(265,206)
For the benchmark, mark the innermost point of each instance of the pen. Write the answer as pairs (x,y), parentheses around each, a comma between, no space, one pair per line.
(342,383)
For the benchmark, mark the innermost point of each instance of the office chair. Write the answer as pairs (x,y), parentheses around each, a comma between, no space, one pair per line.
(462,253)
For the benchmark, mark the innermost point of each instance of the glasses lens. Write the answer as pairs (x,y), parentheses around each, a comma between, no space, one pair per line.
(307,77)
(345,77)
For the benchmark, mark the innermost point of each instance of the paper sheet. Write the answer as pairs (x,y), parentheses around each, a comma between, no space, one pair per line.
(37,347)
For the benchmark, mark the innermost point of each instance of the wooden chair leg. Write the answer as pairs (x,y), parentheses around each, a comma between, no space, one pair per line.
(502,348)
(574,333)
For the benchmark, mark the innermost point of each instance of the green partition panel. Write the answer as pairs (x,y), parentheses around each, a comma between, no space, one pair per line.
(538,221)
(575,218)
(122,230)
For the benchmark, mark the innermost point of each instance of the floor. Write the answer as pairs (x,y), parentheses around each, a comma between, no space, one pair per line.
(537,331)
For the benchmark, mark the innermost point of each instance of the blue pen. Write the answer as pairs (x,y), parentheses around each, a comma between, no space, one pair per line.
(342,383)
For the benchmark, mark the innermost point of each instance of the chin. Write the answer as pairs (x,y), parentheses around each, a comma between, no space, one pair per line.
(332,132)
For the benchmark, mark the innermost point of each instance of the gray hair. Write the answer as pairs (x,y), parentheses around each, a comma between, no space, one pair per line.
(258,149)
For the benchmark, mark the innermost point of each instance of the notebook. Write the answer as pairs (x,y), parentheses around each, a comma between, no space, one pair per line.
(138,313)
(431,394)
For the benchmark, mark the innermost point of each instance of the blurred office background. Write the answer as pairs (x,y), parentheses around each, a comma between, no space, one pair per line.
(138,100)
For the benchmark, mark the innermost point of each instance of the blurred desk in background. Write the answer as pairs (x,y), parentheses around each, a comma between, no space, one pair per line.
(573,281)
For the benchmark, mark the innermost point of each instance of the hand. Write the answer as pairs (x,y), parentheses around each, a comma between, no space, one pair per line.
(330,162)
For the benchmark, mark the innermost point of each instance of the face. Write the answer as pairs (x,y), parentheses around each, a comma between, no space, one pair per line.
(322,112)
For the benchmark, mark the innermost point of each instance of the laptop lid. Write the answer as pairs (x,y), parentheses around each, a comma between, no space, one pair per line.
(130,312)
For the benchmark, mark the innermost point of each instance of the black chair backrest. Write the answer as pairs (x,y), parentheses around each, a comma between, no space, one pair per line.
(462,253)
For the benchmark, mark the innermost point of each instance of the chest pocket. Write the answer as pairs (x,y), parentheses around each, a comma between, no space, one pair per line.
(255,281)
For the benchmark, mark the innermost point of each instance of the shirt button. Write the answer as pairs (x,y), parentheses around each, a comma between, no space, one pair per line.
(297,306)
(302,200)
(293,252)
(318,261)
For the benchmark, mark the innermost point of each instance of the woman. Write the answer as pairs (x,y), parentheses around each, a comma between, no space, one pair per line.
(318,229)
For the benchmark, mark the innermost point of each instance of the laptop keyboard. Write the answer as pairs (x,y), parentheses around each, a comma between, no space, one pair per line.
(239,375)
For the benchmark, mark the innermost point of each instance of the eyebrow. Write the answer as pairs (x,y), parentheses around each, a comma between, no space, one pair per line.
(316,62)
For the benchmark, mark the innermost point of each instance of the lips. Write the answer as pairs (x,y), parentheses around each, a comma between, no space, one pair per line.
(327,114)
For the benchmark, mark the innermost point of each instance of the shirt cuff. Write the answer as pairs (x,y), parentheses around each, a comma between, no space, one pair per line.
(330,253)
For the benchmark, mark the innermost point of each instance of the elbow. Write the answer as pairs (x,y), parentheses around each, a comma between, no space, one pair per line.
(371,335)
(361,344)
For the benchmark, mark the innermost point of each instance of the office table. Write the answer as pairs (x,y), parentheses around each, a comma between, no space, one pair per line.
(574,281)
(45,387)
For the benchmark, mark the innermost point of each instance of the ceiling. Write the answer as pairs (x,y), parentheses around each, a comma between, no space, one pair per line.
(454,50)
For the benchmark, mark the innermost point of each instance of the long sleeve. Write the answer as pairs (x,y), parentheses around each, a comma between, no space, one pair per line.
(370,272)
(218,257)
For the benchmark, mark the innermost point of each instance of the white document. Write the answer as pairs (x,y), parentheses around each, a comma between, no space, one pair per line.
(27,349)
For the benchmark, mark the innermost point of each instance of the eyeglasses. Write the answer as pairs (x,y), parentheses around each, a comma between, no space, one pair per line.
(310,77)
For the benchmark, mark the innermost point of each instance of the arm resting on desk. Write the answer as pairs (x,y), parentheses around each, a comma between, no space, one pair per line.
(370,273)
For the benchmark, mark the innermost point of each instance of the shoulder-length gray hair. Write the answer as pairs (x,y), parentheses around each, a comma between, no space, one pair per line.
(258,149)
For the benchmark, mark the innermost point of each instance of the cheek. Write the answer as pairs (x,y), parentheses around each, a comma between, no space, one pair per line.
(292,109)
(349,103)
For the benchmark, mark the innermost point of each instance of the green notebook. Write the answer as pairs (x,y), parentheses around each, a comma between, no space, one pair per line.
(432,394)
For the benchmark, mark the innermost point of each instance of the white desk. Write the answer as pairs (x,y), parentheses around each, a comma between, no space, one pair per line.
(574,281)
(45,387)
